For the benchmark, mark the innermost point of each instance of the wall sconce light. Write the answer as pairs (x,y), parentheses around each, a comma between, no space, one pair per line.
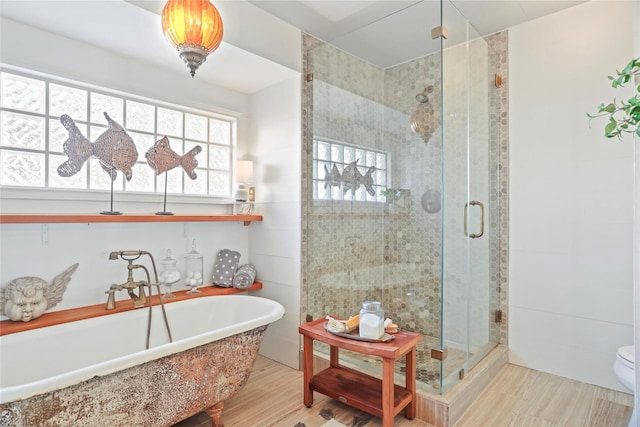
(244,175)
(194,27)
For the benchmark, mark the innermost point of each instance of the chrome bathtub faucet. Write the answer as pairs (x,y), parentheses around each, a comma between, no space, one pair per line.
(140,299)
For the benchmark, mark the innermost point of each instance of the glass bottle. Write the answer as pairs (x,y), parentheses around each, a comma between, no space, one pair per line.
(169,274)
(193,269)
(371,320)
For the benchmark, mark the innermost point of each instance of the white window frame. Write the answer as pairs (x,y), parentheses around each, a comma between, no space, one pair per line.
(30,193)
(337,193)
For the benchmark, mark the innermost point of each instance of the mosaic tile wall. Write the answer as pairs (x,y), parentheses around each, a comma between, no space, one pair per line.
(354,251)
(499,118)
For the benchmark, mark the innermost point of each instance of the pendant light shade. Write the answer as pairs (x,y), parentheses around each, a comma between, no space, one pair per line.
(194,27)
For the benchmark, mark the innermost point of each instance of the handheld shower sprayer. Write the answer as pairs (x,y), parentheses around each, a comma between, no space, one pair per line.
(127,255)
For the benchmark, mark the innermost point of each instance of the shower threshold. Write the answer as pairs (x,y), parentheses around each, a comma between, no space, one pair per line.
(441,410)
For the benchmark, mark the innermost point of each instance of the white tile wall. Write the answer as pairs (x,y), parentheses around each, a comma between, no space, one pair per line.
(275,242)
(25,254)
(636,223)
(273,140)
(23,251)
(570,279)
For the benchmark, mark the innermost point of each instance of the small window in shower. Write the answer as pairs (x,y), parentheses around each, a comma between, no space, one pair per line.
(344,171)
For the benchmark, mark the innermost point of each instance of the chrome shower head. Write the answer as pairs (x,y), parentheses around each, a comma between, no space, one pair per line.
(422,97)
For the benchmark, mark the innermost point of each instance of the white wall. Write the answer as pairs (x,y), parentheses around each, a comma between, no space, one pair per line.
(50,53)
(269,131)
(25,253)
(274,244)
(570,279)
(636,222)
(23,250)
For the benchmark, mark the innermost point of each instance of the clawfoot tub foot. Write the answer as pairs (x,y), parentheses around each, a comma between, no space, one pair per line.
(215,413)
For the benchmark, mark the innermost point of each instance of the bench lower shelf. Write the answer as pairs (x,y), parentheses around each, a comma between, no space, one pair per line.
(358,390)
(380,397)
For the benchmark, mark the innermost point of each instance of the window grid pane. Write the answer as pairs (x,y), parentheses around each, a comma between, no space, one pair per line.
(336,177)
(22,131)
(111,105)
(195,127)
(219,131)
(30,131)
(22,168)
(57,136)
(67,100)
(22,93)
(169,122)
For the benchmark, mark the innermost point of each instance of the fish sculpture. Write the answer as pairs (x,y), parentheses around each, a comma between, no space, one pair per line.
(332,178)
(114,149)
(350,179)
(27,298)
(162,158)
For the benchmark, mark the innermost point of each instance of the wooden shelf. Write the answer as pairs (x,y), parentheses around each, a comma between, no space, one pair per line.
(94,218)
(88,312)
(358,390)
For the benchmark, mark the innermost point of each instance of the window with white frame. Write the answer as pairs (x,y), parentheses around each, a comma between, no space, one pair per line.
(344,171)
(32,137)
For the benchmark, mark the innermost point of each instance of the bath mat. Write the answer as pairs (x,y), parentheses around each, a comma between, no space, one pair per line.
(333,423)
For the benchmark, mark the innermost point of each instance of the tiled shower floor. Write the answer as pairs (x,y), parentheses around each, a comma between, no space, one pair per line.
(427,369)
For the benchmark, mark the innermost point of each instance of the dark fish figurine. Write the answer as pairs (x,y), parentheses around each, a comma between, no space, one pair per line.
(351,178)
(332,179)
(114,149)
(367,181)
(162,158)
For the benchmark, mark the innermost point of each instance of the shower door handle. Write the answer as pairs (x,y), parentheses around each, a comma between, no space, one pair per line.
(474,203)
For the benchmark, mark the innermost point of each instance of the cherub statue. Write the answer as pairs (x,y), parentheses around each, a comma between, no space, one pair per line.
(27,298)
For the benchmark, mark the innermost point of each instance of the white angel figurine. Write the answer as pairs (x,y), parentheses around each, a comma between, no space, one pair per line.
(27,298)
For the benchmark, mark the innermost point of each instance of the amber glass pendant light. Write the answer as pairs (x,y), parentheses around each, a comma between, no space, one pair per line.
(194,27)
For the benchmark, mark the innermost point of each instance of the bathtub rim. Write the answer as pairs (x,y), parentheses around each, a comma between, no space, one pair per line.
(60,381)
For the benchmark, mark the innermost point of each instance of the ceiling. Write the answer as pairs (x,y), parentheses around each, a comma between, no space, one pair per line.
(390,32)
(383,32)
(128,29)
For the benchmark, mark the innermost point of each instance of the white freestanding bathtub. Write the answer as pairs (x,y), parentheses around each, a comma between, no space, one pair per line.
(96,372)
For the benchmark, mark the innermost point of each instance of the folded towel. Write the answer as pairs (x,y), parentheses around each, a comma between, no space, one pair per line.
(225,267)
(244,277)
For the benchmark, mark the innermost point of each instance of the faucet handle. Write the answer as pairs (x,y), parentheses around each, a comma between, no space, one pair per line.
(111,299)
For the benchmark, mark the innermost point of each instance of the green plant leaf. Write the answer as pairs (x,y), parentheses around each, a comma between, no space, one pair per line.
(610,127)
(624,117)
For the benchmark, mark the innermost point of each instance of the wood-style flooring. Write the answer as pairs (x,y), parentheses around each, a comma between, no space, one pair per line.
(517,397)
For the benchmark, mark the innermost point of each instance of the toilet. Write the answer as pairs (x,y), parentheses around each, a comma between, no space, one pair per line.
(624,368)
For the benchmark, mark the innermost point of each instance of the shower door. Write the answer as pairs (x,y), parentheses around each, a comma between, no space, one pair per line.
(470,183)
(396,151)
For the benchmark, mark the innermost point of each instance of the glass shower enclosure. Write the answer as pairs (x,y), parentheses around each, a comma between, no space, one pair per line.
(401,184)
